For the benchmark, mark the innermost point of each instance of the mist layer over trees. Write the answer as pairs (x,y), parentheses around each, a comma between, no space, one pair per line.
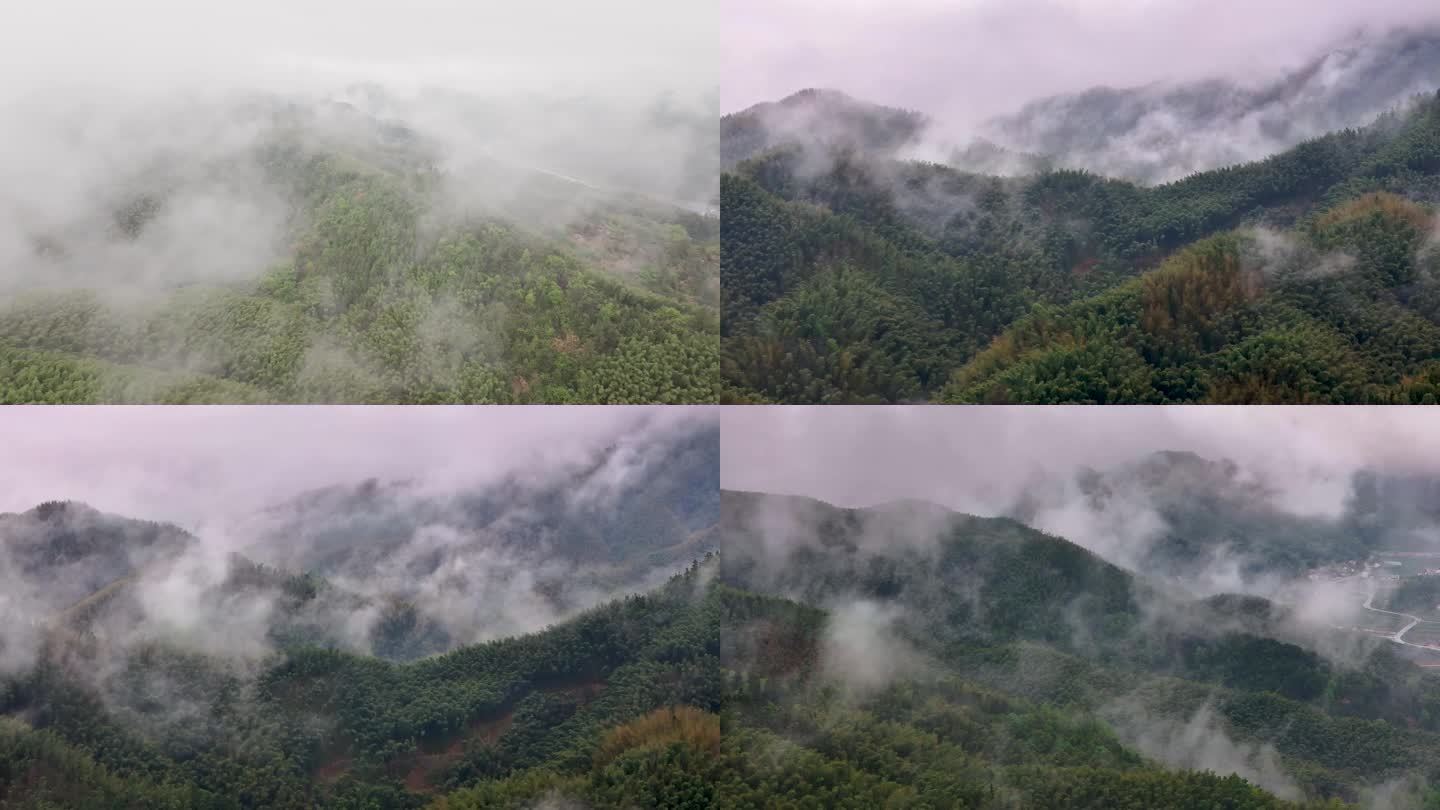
(500,631)
(1204,242)
(371,215)
(1116,621)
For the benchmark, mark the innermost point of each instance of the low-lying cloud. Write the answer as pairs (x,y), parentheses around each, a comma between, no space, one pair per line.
(456,525)
(1150,92)
(997,55)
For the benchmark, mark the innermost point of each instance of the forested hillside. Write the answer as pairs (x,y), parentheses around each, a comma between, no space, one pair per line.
(646,502)
(1167,130)
(922,658)
(613,707)
(1306,277)
(1183,517)
(335,256)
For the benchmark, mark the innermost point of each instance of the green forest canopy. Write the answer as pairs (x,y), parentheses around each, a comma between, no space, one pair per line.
(715,690)
(1308,277)
(619,305)
(1044,671)
(616,705)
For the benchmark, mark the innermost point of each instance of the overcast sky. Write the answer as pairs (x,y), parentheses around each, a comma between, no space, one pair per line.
(538,43)
(187,464)
(964,61)
(977,459)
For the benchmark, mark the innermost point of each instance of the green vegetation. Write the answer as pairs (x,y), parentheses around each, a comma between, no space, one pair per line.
(901,656)
(1418,596)
(142,667)
(387,297)
(1309,277)
(610,707)
(1038,675)
(1206,506)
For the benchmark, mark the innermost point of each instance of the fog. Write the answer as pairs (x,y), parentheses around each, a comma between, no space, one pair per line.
(103,105)
(1093,476)
(978,459)
(903,580)
(286,487)
(189,465)
(1201,743)
(1179,87)
(630,47)
(970,60)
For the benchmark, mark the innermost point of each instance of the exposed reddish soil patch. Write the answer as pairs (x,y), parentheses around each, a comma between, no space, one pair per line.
(487,731)
(417,779)
(611,247)
(778,648)
(332,769)
(435,756)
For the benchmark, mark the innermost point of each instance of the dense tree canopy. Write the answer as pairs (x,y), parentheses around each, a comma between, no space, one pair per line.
(388,295)
(617,703)
(1039,676)
(1308,277)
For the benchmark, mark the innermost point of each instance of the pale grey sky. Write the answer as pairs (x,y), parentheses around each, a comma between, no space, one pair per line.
(977,459)
(964,61)
(538,44)
(193,463)
(94,93)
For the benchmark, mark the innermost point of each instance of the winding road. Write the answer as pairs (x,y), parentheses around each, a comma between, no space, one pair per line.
(1399,636)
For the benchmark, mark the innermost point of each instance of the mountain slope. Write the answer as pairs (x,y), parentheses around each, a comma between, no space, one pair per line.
(1025,668)
(62,551)
(340,256)
(857,278)
(1184,518)
(1164,132)
(817,118)
(635,506)
(614,704)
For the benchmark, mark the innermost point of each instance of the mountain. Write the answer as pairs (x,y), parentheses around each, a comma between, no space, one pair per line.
(1189,519)
(62,551)
(818,118)
(1156,133)
(944,656)
(325,250)
(1166,131)
(614,706)
(643,503)
(544,637)
(1306,277)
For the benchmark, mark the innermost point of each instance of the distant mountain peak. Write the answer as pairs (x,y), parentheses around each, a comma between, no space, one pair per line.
(818,117)
(1162,131)
(59,510)
(810,94)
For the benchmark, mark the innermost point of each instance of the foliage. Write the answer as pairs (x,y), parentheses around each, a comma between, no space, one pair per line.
(616,703)
(376,302)
(1046,677)
(1308,277)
